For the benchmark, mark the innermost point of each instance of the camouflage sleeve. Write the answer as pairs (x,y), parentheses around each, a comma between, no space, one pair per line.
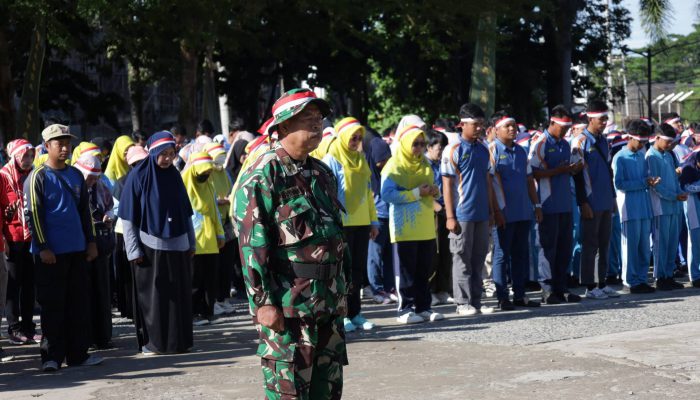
(252,213)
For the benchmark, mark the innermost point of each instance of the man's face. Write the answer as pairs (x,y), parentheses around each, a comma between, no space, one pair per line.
(230,135)
(179,141)
(557,130)
(662,143)
(27,159)
(472,130)
(166,157)
(678,126)
(635,145)
(597,125)
(59,149)
(507,132)
(304,130)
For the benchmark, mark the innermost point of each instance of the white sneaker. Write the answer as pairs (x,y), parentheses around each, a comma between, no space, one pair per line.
(92,360)
(219,309)
(431,316)
(349,326)
(486,309)
(610,292)
(393,297)
(445,298)
(466,310)
(596,294)
(409,318)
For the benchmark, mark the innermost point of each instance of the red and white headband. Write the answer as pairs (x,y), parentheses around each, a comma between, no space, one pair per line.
(597,114)
(202,160)
(672,121)
(88,169)
(564,121)
(349,124)
(20,148)
(635,137)
(166,141)
(503,121)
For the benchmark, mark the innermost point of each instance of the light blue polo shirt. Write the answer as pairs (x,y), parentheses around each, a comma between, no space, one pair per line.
(510,171)
(555,192)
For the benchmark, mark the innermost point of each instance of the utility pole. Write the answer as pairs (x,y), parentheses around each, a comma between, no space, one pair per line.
(649,110)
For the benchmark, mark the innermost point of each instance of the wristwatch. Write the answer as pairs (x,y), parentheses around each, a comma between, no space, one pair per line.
(538,205)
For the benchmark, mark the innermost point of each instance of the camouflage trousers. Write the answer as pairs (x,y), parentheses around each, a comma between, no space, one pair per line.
(305,361)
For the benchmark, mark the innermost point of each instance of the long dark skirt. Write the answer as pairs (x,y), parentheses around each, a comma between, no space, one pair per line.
(123,279)
(163,301)
(100,301)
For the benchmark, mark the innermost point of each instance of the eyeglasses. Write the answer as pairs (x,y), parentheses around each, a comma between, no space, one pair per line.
(418,143)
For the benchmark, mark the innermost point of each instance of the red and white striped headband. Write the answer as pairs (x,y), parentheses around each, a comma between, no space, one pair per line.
(22,147)
(201,160)
(87,169)
(672,121)
(349,124)
(597,114)
(504,120)
(406,129)
(293,100)
(329,131)
(565,121)
(161,142)
(635,137)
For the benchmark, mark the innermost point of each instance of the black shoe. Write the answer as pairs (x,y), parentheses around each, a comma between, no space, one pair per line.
(532,286)
(551,298)
(642,288)
(613,280)
(674,284)
(696,283)
(572,282)
(678,273)
(570,297)
(663,284)
(505,305)
(525,302)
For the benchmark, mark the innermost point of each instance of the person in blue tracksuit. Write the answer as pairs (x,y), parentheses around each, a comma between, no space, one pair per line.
(617,141)
(690,183)
(666,198)
(550,160)
(632,182)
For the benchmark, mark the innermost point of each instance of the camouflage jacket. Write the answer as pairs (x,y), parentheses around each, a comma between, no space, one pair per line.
(286,211)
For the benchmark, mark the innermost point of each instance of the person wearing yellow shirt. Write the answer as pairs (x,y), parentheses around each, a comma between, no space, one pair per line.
(407,185)
(209,235)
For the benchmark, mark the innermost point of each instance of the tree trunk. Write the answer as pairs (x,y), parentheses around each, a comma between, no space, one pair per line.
(29,118)
(188,88)
(483,77)
(7,107)
(136,86)
(565,19)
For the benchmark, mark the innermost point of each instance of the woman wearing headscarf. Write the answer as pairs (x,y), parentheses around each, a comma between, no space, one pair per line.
(228,255)
(101,203)
(85,147)
(360,218)
(123,278)
(20,287)
(238,157)
(690,183)
(209,234)
(117,166)
(407,185)
(159,240)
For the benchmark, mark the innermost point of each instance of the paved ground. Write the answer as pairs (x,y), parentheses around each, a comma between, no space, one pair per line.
(636,347)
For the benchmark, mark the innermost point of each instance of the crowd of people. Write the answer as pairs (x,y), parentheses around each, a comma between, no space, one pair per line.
(450,212)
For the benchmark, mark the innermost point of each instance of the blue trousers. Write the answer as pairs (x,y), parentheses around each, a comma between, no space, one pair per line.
(694,254)
(534,273)
(511,248)
(635,251)
(574,268)
(380,266)
(665,231)
(683,245)
(615,256)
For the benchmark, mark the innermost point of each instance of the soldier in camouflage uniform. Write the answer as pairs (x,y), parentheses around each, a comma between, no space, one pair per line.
(292,252)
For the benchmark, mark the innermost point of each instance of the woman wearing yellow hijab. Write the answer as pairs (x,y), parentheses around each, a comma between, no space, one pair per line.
(209,235)
(228,255)
(360,221)
(407,185)
(86,148)
(117,165)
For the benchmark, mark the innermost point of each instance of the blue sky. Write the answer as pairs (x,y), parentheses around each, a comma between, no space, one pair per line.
(684,16)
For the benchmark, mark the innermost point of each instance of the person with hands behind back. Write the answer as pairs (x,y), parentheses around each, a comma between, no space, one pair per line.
(63,243)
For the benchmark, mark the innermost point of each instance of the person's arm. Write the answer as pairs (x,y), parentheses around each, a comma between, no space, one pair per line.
(692,187)
(132,243)
(393,193)
(626,185)
(369,197)
(252,214)
(35,214)
(84,211)
(665,190)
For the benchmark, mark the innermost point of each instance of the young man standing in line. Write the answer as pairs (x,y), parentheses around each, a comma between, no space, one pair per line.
(63,242)
(465,171)
(550,160)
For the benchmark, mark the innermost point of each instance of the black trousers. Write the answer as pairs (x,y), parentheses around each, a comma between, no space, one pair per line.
(205,283)
(238,280)
(100,301)
(19,308)
(357,238)
(227,261)
(123,279)
(63,292)
(412,267)
(441,275)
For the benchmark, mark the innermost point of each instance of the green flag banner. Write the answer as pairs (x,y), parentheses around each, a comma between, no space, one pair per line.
(483,84)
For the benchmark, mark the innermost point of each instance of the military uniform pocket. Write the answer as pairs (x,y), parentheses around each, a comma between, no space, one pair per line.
(294,221)
(280,376)
(456,242)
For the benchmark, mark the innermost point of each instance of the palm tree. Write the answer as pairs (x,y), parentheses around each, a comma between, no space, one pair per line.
(656,14)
